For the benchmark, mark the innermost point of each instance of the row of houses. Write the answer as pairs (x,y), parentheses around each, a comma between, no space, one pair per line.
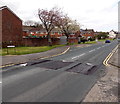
(31,31)
(13,32)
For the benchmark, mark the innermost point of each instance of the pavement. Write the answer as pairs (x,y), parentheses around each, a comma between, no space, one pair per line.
(114,61)
(17,59)
(106,88)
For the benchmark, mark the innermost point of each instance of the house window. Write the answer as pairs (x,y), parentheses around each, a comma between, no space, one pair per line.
(37,32)
(31,33)
(60,33)
(41,33)
(89,37)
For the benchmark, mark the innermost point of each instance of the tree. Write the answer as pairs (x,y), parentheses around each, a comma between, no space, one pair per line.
(102,35)
(49,19)
(67,26)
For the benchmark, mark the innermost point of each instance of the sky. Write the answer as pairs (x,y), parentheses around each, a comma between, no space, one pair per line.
(100,15)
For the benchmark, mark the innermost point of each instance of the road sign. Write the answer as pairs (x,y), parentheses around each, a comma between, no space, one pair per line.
(11,46)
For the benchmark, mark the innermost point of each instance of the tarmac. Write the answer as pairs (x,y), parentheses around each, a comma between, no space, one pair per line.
(9,60)
(106,88)
(18,59)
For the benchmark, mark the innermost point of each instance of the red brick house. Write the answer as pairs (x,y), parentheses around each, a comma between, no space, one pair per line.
(87,33)
(10,27)
(74,37)
(37,32)
(29,31)
(37,36)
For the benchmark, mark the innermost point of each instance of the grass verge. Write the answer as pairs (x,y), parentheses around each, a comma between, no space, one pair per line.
(105,39)
(90,42)
(26,50)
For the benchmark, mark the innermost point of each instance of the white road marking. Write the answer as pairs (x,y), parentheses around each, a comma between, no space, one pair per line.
(64,60)
(84,53)
(89,64)
(92,50)
(23,64)
(78,56)
(98,47)
(0,82)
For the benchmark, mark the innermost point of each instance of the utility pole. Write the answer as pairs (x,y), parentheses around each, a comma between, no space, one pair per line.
(119,16)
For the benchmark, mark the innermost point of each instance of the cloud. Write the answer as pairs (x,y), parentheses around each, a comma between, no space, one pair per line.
(97,14)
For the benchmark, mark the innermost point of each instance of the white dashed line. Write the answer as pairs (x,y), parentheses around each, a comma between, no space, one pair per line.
(84,53)
(98,47)
(92,50)
(78,56)
(0,82)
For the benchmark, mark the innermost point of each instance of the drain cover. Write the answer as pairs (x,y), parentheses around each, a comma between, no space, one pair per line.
(54,64)
(83,68)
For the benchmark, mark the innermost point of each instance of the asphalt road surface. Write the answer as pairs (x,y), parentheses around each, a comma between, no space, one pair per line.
(64,78)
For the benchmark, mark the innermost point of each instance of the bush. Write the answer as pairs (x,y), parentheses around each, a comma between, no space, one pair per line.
(83,40)
(91,39)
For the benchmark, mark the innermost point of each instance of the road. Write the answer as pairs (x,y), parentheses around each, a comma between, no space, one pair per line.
(64,78)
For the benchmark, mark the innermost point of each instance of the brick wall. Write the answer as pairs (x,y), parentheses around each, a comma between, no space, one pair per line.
(11,28)
(73,40)
(38,41)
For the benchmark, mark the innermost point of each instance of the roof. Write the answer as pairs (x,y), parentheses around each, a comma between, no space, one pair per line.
(114,31)
(27,28)
(90,30)
(5,7)
(41,29)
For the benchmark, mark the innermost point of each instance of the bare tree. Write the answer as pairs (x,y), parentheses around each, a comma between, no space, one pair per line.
(67,25)
(49,19)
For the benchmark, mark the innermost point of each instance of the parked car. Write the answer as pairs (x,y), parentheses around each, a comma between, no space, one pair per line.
(107,41)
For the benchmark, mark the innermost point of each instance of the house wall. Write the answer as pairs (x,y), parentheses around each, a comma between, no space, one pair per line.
(112,34)
(73,39)
(11,28)
(88,35)
(0,26)
(55,35)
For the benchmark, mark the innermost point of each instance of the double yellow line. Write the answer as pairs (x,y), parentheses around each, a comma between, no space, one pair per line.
(105,62)
(7,65)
